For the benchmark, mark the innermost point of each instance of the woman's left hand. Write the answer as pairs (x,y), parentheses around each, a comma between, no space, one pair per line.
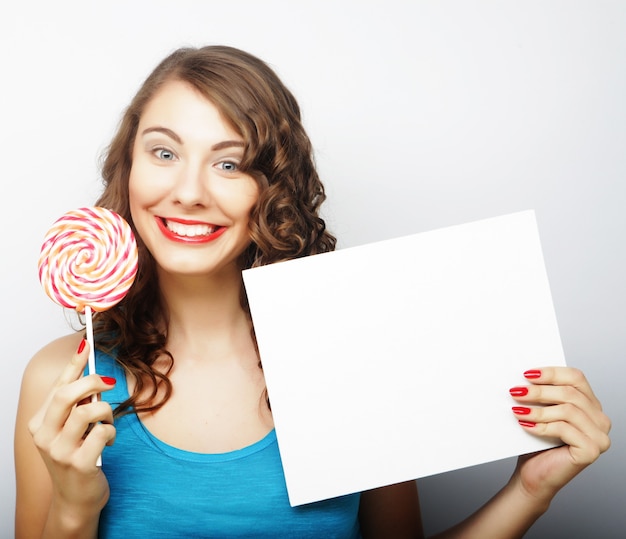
(559,403)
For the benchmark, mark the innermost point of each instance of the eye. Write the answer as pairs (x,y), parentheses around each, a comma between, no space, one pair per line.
(164,154)
(228,166)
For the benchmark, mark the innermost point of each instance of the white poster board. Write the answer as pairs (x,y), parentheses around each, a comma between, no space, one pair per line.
(392,361)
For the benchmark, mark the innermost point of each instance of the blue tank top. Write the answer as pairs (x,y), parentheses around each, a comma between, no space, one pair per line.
(159,491)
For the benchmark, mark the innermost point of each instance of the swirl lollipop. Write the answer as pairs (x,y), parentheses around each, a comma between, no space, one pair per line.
(88,262)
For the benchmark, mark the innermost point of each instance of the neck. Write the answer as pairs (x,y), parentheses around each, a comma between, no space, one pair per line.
(204,313)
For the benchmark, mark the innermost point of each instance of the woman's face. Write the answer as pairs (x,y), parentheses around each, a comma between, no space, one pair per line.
(188,199)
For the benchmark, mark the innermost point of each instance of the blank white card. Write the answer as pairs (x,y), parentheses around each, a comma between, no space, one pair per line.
(392,361)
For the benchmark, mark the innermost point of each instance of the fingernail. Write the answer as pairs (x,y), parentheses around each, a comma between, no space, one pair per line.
(518,391)
(532,374)
(108,380)
(528,424)
(81,346)
(521,410)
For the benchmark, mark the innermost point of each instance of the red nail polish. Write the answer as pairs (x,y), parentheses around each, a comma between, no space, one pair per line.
(108,380)
(521,410)
(81,346)
(528,424)
(533,374)
(518,391)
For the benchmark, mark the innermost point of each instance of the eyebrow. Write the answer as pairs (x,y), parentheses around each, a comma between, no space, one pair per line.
(171,134)
(228,144)
(164,130)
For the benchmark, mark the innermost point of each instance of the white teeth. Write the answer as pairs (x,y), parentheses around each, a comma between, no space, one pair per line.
(189,231)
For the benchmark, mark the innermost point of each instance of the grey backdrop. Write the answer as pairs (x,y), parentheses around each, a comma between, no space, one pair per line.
(422,114)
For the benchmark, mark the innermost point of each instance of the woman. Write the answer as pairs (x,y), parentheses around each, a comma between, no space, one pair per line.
(212,168)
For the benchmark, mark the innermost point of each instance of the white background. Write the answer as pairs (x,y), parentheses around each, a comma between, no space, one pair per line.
(422,114)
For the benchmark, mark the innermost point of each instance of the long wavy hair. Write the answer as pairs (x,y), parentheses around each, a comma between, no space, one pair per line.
(284,224)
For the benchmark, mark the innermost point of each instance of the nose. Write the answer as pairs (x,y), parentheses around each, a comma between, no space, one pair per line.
(191,189)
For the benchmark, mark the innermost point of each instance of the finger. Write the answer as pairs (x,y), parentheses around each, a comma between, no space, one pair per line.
(563,376)
(64,400)
(102,434)
(76,367)
(566,413)
(79,426)
(583,449)
(83,418)
(84,454)
(550,395)
(562,395)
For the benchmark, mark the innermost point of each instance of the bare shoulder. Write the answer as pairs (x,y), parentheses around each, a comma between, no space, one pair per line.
(54,355)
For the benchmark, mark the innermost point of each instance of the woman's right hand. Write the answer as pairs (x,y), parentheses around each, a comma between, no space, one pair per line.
(70,431)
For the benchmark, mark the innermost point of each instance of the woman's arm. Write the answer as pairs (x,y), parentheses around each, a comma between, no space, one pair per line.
(391,511)
(60,490)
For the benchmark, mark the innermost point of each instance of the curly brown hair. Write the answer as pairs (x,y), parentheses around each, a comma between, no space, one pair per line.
(284,224)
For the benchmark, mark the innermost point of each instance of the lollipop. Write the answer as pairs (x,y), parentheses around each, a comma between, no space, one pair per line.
(88,262)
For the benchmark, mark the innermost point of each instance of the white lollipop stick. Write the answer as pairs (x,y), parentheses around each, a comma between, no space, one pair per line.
(91,362)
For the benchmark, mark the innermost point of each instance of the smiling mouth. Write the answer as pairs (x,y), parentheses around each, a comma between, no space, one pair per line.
(189,231)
